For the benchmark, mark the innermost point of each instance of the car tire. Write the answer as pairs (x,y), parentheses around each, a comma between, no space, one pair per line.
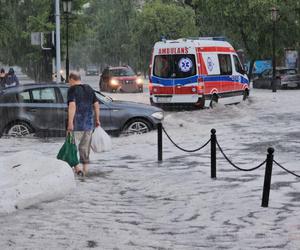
(136,126)
(19,129)
(213,101)
(245,95)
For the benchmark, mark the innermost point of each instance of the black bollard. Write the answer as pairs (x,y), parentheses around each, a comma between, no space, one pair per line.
(213,154)
(268,175)
(159,141)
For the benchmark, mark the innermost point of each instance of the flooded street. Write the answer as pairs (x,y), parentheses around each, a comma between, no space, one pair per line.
(130,201)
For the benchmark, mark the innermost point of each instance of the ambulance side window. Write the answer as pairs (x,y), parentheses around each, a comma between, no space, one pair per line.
(237,65)
(225,64)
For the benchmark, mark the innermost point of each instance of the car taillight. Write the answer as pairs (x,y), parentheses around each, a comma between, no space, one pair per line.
(200,86)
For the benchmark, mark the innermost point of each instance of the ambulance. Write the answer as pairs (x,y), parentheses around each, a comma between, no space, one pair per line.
(196,71)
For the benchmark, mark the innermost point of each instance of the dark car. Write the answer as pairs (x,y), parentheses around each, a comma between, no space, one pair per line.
(42,109)
(120,79)
(92,70)
(285,78)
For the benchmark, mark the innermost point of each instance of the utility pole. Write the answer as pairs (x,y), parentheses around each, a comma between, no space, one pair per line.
(274,18)
(57,31)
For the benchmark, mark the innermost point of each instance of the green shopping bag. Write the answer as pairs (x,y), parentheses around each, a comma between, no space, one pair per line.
(68,151)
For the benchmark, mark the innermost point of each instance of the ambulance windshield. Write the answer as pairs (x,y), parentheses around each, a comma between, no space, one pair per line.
(174,66)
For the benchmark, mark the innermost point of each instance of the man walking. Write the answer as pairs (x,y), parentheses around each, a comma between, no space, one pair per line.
(81,102)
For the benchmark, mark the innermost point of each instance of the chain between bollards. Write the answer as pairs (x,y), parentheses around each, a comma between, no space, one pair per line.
(268,176)
(159,142)
(213,154)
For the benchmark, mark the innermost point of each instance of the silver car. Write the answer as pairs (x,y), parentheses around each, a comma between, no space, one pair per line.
(42,109)
(285,78)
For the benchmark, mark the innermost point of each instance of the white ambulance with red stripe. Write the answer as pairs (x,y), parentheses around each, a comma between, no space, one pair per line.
(197,71)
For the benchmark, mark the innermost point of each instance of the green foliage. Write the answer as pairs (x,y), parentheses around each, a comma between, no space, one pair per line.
(248,24)
(21,18)
(124,31)
(157,20)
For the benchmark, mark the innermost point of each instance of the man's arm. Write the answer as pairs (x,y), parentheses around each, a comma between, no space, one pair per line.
(97,113)
(71,115)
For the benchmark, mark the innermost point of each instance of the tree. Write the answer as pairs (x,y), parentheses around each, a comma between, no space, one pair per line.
(247,24)
(156,20)
(107,37)
(23,17)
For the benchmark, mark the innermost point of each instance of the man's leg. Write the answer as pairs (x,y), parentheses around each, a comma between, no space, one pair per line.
(78,137)
(84,150)
(77,168)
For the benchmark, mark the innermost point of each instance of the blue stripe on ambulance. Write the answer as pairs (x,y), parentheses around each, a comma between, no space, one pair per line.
(194,79)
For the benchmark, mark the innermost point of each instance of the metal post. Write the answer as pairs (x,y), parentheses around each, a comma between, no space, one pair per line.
(268,175)
(213,154)
(274,82)
(159,141)
(67,52)
(57,30)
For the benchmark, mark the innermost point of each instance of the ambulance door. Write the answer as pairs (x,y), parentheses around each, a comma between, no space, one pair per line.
(163,78)
(238,73)
(212,79)
(185,75)
(226,73)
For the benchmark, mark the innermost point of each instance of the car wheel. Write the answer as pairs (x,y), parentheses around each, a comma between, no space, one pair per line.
(136,126)
(213,101)
(19,129)
(245,95)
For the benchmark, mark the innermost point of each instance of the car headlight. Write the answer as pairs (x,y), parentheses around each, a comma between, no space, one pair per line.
(158,115)
(114,82)
(139,81)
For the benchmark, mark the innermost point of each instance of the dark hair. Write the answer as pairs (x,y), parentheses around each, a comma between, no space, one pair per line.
(2,70)
(11,71)
(75,76)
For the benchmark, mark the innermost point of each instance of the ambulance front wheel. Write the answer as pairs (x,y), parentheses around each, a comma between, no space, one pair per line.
(246,95)
(213,101)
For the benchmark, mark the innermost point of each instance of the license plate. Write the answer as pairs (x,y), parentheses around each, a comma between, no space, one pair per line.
(164,99)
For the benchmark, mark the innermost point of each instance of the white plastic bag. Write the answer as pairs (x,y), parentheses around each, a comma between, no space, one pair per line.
(101,141)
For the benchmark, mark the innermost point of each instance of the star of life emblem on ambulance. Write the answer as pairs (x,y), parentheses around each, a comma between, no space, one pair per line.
(185,64)
(210,64)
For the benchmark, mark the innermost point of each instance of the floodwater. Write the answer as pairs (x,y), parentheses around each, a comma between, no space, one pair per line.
(130,201)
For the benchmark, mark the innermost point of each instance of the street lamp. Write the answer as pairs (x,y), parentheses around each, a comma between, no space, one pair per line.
(67,7)
(274,18)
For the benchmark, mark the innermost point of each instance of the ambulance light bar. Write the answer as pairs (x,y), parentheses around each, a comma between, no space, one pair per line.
(216,38)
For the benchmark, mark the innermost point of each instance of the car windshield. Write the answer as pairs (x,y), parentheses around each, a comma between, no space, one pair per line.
(103,98)
(122,72)
(174,66)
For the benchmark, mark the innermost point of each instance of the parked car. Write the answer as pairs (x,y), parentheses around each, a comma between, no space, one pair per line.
(42,109)
(120,79)
(92,70)
(285,78)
